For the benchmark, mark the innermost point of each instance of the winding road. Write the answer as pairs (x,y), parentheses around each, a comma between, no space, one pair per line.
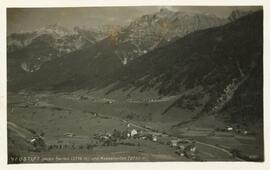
(198,142)
(217,148)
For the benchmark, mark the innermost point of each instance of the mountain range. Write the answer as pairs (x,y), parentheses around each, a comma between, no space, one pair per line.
(218,61)
(141,36)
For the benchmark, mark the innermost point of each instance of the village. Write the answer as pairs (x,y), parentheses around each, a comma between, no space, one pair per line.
(121,135)
(132,135)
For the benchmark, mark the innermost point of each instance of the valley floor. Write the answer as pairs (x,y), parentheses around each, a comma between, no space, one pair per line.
(82,129)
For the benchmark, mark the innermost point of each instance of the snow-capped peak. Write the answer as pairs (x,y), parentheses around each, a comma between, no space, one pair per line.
(54,29)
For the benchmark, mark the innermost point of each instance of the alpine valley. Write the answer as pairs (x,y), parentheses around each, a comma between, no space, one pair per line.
(171,75)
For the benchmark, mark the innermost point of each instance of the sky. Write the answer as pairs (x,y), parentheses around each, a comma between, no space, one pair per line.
(29,19)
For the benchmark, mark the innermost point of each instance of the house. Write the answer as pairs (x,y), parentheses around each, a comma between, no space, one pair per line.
(38,141)
(33,140)
(174,143)
(133,132)
(69,134)
(229,128)
(103,138)
(108,134)
(109,102)
(181,147)
(154,138)
(124,134)
(191,148)
(181,150)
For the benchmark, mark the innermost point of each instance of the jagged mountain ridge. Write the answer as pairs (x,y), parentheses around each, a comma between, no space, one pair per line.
(32,49)
(153,31)
(236,14)
(64,40)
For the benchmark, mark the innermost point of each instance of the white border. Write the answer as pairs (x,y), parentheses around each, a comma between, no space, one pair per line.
(116,166)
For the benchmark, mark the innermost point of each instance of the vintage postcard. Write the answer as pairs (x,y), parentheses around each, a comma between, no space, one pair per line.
(135,84)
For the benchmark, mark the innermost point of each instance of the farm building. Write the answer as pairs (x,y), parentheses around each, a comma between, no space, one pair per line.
(229,128)
(174,143)
(69,134)
(133,132)
(154,138)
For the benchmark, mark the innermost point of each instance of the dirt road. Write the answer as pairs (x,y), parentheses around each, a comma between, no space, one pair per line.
(217,152)
(228,153)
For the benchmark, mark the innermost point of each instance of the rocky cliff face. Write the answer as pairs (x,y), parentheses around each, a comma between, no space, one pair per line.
(156,30)
(60,38)
(32,49)
(236,14)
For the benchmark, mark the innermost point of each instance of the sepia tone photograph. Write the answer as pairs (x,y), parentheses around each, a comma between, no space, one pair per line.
(135,84)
